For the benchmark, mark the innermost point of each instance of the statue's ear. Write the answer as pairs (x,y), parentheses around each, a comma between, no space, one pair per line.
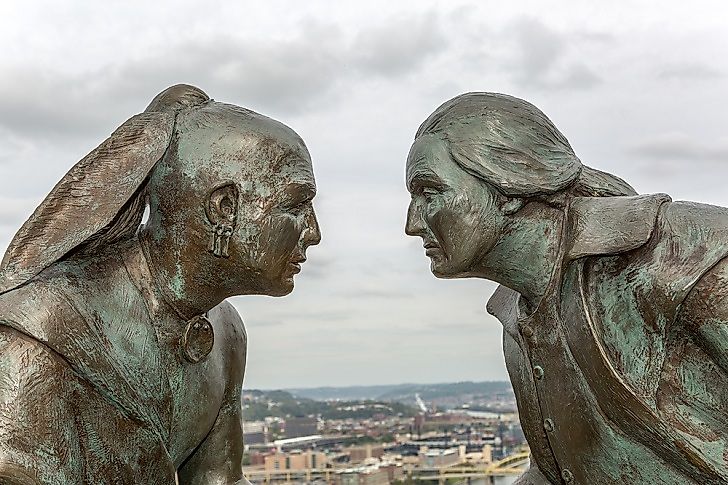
(222,205)
(88,198)
(222,212)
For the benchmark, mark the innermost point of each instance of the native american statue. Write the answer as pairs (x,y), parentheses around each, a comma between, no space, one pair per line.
(120,360)
(614,305)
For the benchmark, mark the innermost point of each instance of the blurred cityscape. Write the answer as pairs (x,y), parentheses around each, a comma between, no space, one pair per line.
(464,432)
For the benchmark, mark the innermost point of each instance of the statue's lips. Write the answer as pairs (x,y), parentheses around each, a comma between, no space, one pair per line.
(432,249)
(295,266)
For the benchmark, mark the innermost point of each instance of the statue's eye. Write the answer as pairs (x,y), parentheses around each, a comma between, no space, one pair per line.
(297,208)
(429,192)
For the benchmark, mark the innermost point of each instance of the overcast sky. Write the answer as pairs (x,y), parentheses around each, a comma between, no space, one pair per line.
(639,88)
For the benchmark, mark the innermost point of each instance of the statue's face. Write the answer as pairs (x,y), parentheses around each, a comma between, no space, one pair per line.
(456,215)
(276,230)
(274,219)
(236,193)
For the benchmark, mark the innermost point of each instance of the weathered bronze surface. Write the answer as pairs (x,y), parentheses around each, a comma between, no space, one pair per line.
(120,361)
(614,305)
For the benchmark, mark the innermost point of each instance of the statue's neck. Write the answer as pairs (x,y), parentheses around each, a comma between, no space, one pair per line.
(525,258)
(174,285)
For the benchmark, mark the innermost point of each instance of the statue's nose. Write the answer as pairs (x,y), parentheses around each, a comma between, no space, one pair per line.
(414,226)
(312,233)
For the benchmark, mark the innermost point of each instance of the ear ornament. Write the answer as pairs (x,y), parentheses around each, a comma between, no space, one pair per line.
(222,214)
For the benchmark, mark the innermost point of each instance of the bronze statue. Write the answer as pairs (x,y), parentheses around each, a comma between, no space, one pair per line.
(120,360)
(614,305)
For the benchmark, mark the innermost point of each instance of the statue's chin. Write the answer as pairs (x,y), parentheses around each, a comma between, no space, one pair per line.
(448,276)
(283,288)
(442,270)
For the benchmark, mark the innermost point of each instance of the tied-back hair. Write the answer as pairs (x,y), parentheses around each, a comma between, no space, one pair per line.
(178,97)
(101,200)
(513,146)
(172,100)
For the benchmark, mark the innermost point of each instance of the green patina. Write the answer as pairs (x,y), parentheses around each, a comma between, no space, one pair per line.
(619,299)
(120,360)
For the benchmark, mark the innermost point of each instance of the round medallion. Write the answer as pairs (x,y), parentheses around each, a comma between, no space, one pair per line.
(198,339)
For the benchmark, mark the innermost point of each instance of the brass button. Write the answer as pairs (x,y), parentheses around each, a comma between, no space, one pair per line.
(527,331)
(538,372)
(567,475)
(548,424)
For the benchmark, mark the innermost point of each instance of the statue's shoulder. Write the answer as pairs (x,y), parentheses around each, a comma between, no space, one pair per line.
(49,306)
(39,309)
(667,245)
(228,324)
(599,226)
(695,223)
(226,314)
(689,240)
(36,381)
(596,226)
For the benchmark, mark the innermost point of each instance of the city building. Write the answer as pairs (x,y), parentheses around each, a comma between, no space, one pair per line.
(440,458)
(296,427)
(395,471)
(301,442)
(255,433)
(295,460)
(484,456)
(369,475)
(360,453)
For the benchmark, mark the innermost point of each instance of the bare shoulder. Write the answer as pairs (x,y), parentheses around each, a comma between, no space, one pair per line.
(229,327)
(227,320)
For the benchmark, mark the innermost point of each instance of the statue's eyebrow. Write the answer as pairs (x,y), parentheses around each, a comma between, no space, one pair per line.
(421,177)
(299,192)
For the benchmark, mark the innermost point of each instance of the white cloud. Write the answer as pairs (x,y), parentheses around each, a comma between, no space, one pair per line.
(682,147)
(690,72)
(547,59)
(355,80)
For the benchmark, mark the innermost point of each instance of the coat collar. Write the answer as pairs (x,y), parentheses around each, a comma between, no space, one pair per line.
(597,226)
(610,225)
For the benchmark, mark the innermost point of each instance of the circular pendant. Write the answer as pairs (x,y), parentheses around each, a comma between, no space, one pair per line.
(198,339)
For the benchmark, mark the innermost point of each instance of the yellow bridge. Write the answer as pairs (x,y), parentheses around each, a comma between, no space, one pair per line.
(514,464)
